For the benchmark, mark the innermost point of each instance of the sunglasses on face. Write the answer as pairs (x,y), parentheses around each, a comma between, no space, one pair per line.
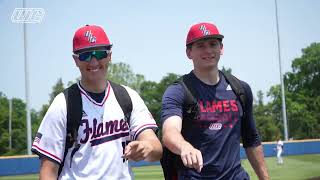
(86,56)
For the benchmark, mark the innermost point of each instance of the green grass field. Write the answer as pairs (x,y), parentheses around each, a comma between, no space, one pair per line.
(294,168)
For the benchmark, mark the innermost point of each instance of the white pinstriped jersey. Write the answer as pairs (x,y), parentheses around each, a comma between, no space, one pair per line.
(102,134)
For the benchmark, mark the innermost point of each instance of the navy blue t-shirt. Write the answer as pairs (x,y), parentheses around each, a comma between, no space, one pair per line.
(218,130)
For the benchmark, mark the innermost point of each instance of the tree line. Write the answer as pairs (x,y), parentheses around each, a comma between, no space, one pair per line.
(302,93)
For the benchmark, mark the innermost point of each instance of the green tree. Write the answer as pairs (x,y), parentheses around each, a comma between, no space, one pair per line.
(56,89)
(38,116)
(4,117)
(275,107)
(18,125)
(122,73)
(305,75)
(264,121)
(260,98)
(151,93)
(138,81)
(35,122)
(302,95)
(151,98)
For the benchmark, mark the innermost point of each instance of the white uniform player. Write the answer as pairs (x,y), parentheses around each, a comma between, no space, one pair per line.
(279,151)
(104,136)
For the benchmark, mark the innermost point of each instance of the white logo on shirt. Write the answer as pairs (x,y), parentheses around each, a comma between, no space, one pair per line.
(215,126)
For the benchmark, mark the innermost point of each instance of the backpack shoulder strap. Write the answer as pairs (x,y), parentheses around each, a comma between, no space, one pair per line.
(123,99)
(74,116)
(171,162)
(237,89)
(190,92)
(190,105)
(74,109)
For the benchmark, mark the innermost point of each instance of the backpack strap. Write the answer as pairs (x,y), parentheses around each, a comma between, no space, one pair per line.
(191,108)
(190,92)
(74,116)
(171,162)
(237,89)
(190,100)
(190,104)
(123,99)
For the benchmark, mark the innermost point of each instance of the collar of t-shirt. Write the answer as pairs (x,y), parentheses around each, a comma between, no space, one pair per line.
(98,97)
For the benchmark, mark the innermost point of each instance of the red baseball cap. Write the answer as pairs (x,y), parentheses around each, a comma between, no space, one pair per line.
(90,37)
(201,31)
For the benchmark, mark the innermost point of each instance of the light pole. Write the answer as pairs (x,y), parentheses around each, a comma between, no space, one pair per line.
(284,114)
(26,71)
(10,120)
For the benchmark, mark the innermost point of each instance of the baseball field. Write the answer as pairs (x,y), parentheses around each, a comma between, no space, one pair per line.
(294,168)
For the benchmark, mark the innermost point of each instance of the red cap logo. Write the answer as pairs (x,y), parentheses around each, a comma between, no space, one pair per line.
(201,31)
(90,36)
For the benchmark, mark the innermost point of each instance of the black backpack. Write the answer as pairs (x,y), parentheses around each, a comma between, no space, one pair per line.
(171,162)
(74,114)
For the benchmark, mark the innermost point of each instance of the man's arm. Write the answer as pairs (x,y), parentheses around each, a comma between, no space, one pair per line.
(147,147)
(175,142)
(256,159)
(48,170)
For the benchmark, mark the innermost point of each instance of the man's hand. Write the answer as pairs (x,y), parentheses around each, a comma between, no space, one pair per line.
(173,140)
(191,157)
(137,150)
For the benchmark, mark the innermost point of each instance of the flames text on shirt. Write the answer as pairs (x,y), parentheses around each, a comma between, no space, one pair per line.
(104,131)
(218,114)
(218,106)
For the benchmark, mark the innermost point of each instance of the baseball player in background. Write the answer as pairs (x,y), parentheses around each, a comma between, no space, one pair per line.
(106,141)
(279,151)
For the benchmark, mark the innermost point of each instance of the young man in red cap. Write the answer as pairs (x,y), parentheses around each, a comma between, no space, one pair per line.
(105,139)
(208,144)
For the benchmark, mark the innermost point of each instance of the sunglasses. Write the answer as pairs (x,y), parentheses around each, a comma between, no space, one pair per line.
(86,56)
